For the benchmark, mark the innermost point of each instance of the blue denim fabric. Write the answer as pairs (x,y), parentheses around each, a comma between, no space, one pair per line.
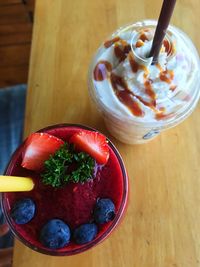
(12,106)
(12,103)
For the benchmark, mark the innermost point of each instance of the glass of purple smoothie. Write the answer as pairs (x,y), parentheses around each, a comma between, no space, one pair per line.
(73,203)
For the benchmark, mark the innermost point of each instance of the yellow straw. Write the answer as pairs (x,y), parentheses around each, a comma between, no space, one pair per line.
(15,184)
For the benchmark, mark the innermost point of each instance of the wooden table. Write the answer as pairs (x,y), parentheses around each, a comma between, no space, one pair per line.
(162,224)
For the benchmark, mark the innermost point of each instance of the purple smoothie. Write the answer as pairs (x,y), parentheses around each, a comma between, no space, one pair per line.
(72,203)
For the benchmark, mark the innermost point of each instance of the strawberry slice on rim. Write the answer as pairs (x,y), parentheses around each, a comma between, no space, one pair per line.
(93,143)
(38,148)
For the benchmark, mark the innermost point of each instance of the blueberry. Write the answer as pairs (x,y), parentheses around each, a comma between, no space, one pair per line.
(85,233)
(55,234)
(23,211)
(104,211)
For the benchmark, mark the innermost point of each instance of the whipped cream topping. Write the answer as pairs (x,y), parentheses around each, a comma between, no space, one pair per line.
(128,84)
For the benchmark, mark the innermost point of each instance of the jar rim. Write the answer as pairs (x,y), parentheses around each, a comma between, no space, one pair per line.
(178,116)
(97,240)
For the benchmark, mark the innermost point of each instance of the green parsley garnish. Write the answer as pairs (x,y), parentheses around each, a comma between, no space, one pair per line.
(67,165)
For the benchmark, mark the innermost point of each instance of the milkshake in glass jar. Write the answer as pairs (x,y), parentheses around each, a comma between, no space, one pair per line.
(139,99)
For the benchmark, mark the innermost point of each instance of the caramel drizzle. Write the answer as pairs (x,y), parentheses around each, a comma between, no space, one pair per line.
(150,92)
(141,40)
(161,116)
(101,70)
(167,76)
(109,43)
(169,47)
(121,52)
(125,95)
(148,83)
(173,87)
(159,67)
(143,37)
(139,43)
(121,49)
(136,66)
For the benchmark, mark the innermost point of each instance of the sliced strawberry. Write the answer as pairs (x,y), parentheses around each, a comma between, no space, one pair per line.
(38,148)
(92,143)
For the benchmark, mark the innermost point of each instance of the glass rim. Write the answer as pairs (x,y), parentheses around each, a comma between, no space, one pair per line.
(96,241)
(179,115)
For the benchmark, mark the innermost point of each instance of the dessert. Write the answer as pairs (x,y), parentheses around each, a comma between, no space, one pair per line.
(139,99)
(65,217)
(104,211)
(23,211)
(85,233)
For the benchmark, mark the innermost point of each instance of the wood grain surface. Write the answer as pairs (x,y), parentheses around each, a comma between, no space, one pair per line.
(162,224)
(15,42)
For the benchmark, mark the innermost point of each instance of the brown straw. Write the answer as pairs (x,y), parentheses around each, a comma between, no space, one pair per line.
(161,29)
